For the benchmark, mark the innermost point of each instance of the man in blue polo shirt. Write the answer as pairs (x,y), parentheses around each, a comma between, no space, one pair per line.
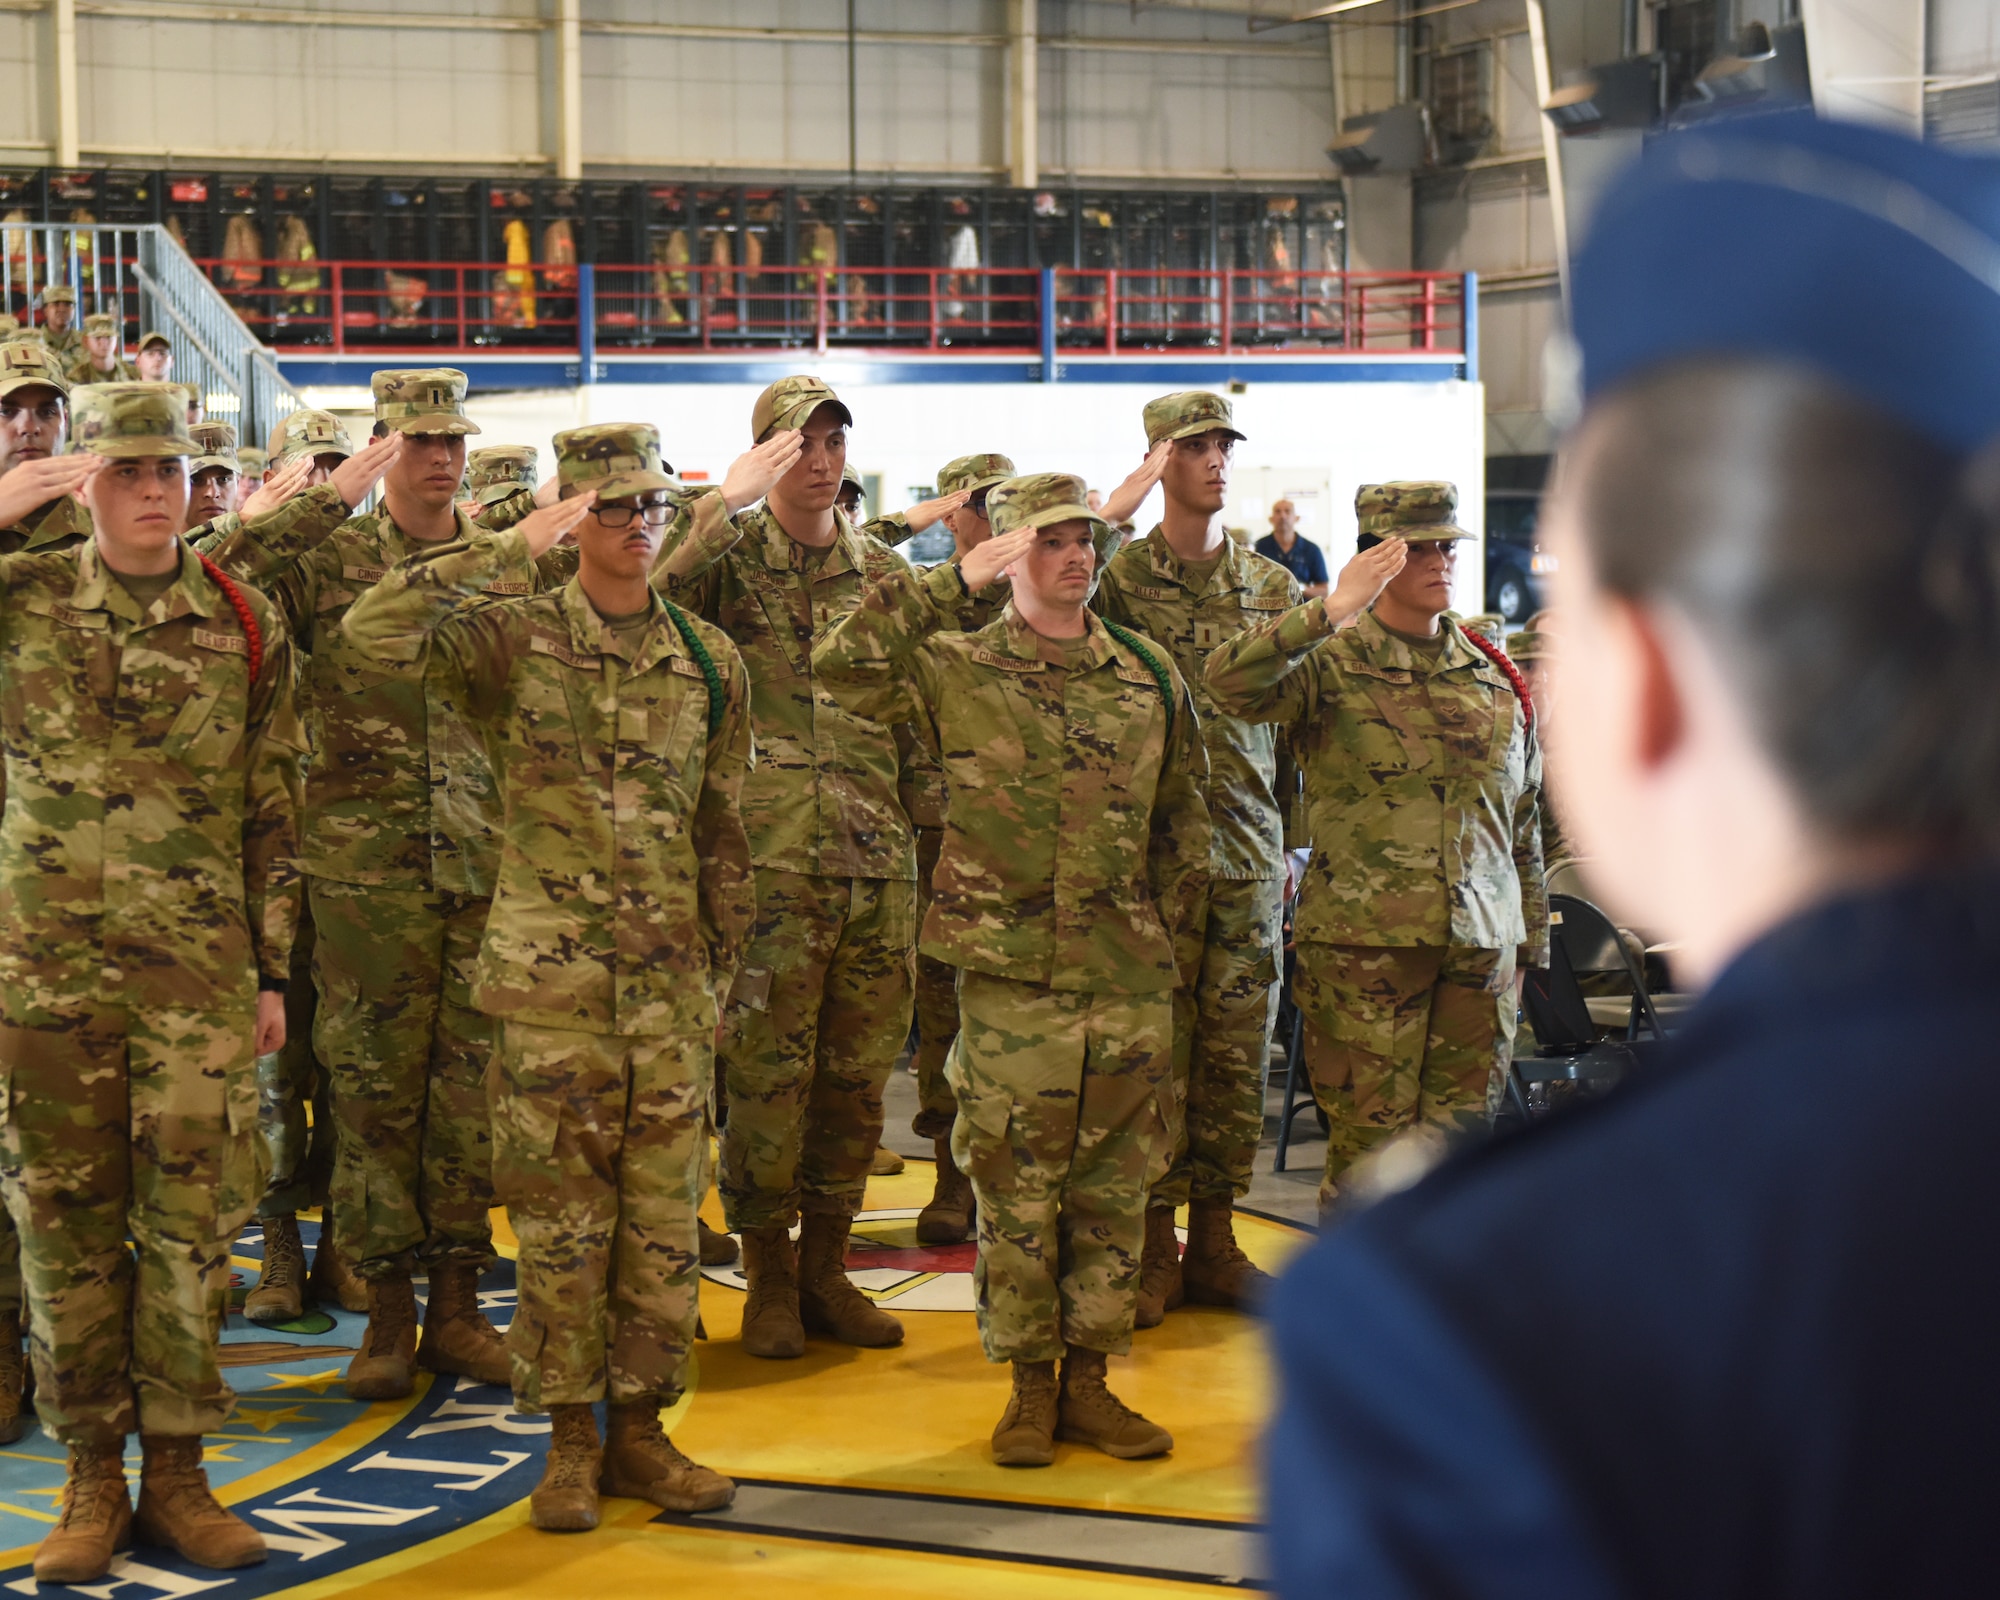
(1300,557)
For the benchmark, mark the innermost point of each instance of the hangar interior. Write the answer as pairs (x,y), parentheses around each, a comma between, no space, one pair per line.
(990,225)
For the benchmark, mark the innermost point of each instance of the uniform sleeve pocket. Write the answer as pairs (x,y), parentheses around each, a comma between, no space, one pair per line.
(752,989)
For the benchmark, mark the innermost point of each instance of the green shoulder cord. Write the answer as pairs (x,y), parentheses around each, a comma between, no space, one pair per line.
(713,678)
(1130,641)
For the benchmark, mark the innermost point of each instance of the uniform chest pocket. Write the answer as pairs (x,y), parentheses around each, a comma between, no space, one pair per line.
(548,706)
(1122,712)
(983,735)
(666,730)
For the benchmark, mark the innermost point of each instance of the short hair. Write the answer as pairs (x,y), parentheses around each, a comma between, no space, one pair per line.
(1844,568)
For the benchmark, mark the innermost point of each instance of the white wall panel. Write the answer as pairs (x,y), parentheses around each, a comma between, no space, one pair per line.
(689,84)
(25,117)
(1963,37)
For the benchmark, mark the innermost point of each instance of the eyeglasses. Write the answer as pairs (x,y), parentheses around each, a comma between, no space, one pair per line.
(621,516)
(977,505)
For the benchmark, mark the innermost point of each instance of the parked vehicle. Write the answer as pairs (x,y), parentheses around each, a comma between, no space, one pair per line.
(1515,564)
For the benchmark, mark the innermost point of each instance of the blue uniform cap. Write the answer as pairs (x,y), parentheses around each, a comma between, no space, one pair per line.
(1861,254)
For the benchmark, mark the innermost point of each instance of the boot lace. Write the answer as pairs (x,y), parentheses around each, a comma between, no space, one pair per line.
(387,1323)
(570,1465)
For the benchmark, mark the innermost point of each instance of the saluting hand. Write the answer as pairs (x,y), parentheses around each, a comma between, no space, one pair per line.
(985,562)
(361,471)
(35,483)
(544,529)
(1362,579)
(275,490)
(1123,503)
(751,474)
(921,515)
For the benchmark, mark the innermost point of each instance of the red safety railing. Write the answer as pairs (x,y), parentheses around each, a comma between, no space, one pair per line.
(386,305)
(472,306)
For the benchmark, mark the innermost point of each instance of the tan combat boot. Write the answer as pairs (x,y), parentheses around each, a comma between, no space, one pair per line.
(1160,1287)
(771,1326)
(334,1280)
(1026,1436)
(565,1501)
(885,1163)
(386,1367)
(457,1337)
(641,1463)
(948,1217)
(280,1292)
(1091,1414)
(717,1249)
(1215,1271)
(96,1520)
(13,1379)
(828,1301)
(177,1511)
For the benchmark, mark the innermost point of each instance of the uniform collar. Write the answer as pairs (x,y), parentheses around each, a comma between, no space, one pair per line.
(98,589)
(1229,571)
(463,528)
(1024,644)
(1377,644)
(590,636)
(781,550)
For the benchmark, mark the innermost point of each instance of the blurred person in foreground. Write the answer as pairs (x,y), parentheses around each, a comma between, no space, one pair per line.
(1729,1331)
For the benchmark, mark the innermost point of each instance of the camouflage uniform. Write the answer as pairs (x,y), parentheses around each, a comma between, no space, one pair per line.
(302,1148)
(1075,854)
(623,899)
(923,791)
(136,927)
(1224,1009)
(401,1040)
(502,479)
(80,371)
(66,346)
(1422,778)
(821,1004)
(1528,647)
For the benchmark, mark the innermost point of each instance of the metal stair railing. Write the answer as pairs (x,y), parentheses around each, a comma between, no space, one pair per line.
(140,274)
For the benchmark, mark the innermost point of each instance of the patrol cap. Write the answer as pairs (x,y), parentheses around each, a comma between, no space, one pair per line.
(10,324)
(218,447)
(422,400)
(974,472)
(505,467)
(251,461)
(29,361)
(58,294)
(130,420)
(1042,498)
(100,324)
(1183,415)
(154,337)
(193,393)
(1419,510)
(1489,623)
(1864,256)
(1529,644)
(849,477)
(614,459)
(785,406)
(307,432)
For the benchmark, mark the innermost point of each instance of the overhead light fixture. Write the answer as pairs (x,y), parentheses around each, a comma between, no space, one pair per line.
(1396,140)
(1618,94)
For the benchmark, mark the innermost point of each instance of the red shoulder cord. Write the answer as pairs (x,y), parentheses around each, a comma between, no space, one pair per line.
(244,614)
(1498,657)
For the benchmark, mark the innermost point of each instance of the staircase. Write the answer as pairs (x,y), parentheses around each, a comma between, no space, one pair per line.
(139,274)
